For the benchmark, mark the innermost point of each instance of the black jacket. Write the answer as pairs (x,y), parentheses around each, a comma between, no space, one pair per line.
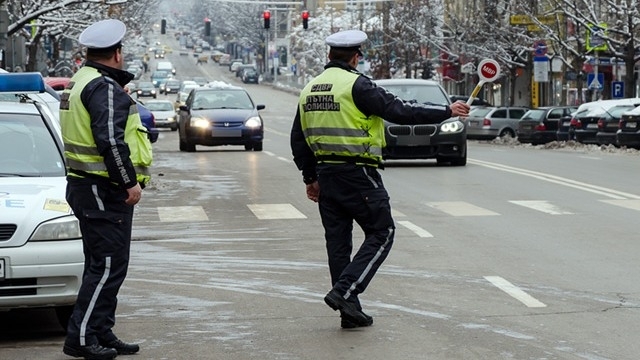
(370,100)
(108,105)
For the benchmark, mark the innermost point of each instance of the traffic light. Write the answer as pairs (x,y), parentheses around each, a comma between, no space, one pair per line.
(207,27)
(163,27)
(427,70)
(266,15)
(305,19)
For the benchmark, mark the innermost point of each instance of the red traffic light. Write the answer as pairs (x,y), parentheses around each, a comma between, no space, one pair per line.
(305,15)
(266,14)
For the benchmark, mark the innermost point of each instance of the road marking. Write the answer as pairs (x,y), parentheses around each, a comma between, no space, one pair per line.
(275,211)
(461,208)
(541,205)
(615,194)
(396,213)
(629,204)
(515,292)
(416,229)
(182,214)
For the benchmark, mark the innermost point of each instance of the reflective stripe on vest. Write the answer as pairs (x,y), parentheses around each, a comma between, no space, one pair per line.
(333,125)
(80,148)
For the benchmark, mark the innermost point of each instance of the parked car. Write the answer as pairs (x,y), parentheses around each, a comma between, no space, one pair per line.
(540,125)
(628,134)
(486,123)
(57,83)
(250,76)
(240,68)
(609,124)
(146,89)
(163,112)
(584,126)
(220,115)
(446,142)
(42,260)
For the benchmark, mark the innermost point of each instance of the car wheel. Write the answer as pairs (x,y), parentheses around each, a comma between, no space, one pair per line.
(175,128)
(257,146)
(63,313)
(154,96)
(248,146)
(508,132)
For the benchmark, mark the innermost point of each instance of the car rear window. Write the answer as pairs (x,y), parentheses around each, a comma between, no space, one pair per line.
(534,114)
(480,112)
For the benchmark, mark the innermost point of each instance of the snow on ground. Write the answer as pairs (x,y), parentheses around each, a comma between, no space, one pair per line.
(565,146)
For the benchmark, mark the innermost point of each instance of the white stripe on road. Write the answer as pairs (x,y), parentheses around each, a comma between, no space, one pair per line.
(629,204)
(515,292)
(275,211)
(416,229)
(461,208)
(182,214)
(543,206)
(614,194)
(396,213)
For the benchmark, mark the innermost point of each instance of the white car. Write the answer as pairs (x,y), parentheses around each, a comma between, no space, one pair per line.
(163,112)
(41,257)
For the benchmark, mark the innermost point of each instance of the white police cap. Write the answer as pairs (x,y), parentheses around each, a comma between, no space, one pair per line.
(103,34)
(346,39)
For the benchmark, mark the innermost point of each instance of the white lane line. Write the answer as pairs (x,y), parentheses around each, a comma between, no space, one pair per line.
(541,205)
(461,208)
(515,292)
(416,229)
(611,193)
(629,204)
(275,211)
(182,214)
(278,157)
(396,213)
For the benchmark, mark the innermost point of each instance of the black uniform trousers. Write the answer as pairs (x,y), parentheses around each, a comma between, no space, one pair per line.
(351,192)
(105,222)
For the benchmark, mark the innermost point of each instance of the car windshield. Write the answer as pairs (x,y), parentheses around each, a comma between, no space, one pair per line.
(228,99)
(160,74)
(28,148)
(145,85)
(159,106)
(418,93)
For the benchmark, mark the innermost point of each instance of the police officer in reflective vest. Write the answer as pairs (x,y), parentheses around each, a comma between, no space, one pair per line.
(337,140)
(108,156)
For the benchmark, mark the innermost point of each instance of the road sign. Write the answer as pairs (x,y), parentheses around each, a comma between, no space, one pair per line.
(617,89)
(539,48)
(595,83)
(488,70)
(596,37)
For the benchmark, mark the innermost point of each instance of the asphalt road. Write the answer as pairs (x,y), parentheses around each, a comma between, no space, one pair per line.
(525,253)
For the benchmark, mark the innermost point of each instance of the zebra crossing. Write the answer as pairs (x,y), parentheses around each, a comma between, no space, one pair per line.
(451,208)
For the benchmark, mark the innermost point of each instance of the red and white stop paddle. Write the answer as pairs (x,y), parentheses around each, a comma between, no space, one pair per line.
(488,71)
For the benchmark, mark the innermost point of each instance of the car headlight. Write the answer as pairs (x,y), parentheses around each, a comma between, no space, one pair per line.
(170,119)
(452,127)
(199,122)
(253,122)
(139,92)
(64,228)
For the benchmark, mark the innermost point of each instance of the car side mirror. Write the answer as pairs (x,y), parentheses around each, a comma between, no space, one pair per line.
(184,108)
(260,107)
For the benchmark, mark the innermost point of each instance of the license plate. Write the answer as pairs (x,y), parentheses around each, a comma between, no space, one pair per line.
(631,125)
(527,127)
(473,123)
(1,269)
(592,126)
(612,125)
(226,133)
(566,123)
